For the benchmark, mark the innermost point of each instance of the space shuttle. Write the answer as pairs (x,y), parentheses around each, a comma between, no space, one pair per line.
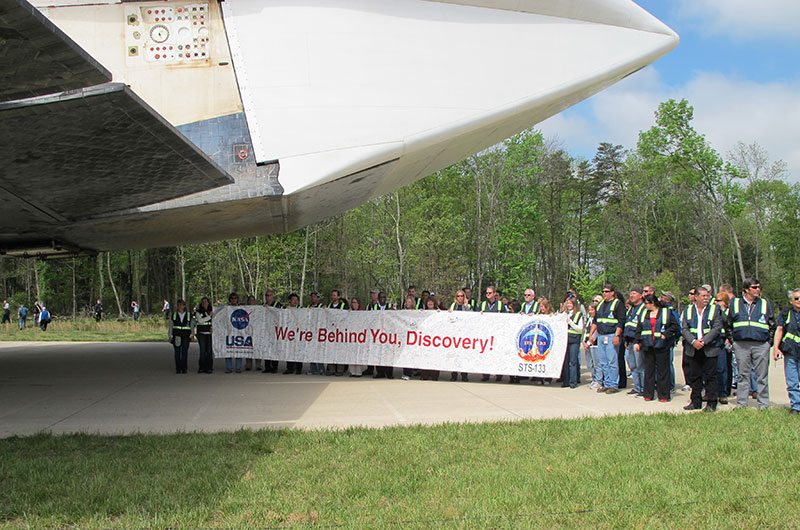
(139,124)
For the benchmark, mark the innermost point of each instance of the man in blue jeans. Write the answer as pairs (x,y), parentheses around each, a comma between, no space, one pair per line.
(608,324)
(787,344)
(634,358)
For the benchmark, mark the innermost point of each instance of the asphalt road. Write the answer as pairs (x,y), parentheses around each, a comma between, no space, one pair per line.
(118,388)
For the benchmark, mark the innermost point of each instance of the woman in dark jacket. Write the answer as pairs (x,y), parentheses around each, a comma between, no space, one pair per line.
(655,332)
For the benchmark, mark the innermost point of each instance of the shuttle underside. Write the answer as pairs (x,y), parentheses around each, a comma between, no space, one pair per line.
(143,124)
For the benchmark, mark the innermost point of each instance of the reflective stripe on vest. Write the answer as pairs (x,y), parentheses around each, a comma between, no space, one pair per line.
(610,312)
(790,336)
(499,306)
(748,322)
(636,316)
(534,309)
(176,323)
(646,318)
(709,319)
(575,319)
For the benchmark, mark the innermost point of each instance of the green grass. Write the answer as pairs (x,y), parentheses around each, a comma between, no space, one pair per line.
(727,470)
(87,330)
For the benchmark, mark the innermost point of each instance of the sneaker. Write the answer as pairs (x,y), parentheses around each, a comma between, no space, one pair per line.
(686,388)
(612,390)
(631,393)
(794,411)
(723,400)
(754,395)
(691,407)
(405,378)
(663,400)
(601,389)
(639,394)
(594,385)
(648,399)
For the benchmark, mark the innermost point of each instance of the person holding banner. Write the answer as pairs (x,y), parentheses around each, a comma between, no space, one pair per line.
(431,305)
(382,371)
(336,303)
(202,317)
(248,363)
(356,370)
(569,371)
(410,305)
(270,365)
(492,304)
(315,368)
(233,300)
(461,303)
(291,366)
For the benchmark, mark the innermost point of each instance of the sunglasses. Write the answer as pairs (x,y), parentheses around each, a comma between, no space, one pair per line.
(797,298)
(755,287)
(607,291)
(692,293)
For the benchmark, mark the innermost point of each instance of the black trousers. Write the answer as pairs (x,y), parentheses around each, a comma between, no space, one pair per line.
(294,367)
(206,361)
(656,359)
(703,368)
(182,355)
(623,367)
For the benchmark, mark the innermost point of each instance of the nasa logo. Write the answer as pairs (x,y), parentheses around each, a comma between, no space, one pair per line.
(240,319)
(534,341)
(239,342)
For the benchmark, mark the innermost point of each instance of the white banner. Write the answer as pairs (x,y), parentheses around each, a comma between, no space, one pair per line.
(436,340)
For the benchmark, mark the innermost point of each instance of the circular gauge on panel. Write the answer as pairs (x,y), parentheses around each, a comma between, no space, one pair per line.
(159,33)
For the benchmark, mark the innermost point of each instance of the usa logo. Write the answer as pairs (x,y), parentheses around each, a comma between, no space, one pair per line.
(240,319)
(534,341)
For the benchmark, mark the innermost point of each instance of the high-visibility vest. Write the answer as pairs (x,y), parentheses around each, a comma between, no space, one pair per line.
(337,305)
(180,327)
(791,337)
(605,317)
(573,335)
(752,325)
(654,338)
(534,309)
(499,306)
(461,307)
(691,319)
(202,327)
(632,320)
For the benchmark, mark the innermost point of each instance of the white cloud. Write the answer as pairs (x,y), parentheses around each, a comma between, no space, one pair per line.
(726,110)
(739,19)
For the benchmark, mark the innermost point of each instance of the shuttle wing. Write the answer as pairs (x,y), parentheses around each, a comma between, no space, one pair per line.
(333,102)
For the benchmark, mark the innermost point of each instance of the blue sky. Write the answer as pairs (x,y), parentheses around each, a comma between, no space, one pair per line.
(738,64)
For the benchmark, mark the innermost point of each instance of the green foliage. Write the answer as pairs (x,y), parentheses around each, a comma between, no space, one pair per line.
(585,285)
(521,214)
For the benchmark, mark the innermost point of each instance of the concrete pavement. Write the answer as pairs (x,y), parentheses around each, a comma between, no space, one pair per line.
(120,388)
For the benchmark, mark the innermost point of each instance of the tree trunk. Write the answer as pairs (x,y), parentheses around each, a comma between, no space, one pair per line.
(182,263)
(100,274)
(111,283)
(305,262)
(74,292)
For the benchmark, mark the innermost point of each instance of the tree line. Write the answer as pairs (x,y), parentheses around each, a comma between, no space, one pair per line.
(670,211)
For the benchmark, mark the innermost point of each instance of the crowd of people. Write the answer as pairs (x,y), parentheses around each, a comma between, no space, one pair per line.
(727,342)
(41,315)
